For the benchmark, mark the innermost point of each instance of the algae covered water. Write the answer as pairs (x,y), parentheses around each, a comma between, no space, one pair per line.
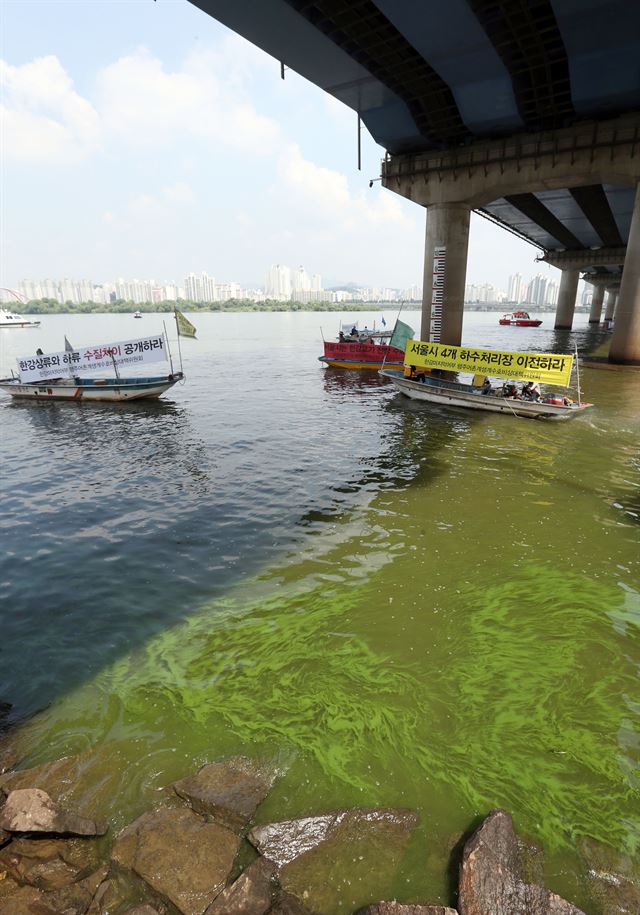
(403,606)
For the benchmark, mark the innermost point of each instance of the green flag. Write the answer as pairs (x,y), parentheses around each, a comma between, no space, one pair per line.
(401,334)
(184,325)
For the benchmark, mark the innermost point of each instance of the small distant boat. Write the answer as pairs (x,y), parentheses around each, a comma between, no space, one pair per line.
(519,319)
(11,319)
(137,314)
(77,373)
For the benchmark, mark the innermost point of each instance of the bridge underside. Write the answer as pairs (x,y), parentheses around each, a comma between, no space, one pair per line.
(454,80)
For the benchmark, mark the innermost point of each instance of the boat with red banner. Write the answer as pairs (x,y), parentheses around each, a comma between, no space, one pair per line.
(367,349)
(520,319)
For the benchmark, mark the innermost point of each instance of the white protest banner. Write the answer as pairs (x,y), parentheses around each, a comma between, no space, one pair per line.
(87,360)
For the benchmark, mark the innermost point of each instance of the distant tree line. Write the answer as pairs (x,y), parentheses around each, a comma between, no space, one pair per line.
(123,306)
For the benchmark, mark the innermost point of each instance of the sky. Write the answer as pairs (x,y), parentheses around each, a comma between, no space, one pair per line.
(143,139)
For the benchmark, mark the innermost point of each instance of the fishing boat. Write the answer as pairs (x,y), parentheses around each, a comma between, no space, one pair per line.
(366,349)
(11,319)
(519,319)
(137,314)
(432,370)
(79,374)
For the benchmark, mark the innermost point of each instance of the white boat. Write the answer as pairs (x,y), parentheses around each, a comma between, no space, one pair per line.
(455,394)
(11,319)
(95,389)
(137,314)
(76,374)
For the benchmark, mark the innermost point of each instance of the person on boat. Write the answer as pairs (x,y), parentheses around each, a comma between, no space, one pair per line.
(531,390)
(354,331)
(486,386)
(39,352)
(341,337)
(409,371)
(510,390)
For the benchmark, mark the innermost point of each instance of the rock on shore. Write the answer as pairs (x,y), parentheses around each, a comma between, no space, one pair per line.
(32,810)
(491,875)
(350,852)
(182,858)
(229,791)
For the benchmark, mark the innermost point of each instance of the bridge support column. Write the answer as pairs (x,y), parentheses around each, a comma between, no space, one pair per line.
(625,342)
(596,304)
(612,298)
(445,271)
(567,299)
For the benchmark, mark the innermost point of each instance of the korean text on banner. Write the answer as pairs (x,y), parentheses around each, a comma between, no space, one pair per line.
(89,360)
(547,367)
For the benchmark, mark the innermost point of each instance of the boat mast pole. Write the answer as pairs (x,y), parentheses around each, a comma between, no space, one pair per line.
(578,373)
(384,358)
(166,336)
(175,314)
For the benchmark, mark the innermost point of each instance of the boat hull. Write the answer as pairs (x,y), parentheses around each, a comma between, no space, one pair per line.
(110,390)
(361,355)
(521,322)
(452,394)
(19,324)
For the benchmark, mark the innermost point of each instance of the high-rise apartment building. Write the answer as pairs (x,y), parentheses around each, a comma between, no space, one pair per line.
(200,288)
(516,290)
(537,290)
(278,285)
(300,281)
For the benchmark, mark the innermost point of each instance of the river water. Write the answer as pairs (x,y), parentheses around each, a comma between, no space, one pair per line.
(403,606)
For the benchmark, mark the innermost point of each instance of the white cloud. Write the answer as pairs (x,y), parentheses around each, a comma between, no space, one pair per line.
(43,117)
(327,191)
(180,192)
(142,103)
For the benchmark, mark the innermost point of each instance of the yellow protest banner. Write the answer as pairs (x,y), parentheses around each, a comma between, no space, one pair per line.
(547,367)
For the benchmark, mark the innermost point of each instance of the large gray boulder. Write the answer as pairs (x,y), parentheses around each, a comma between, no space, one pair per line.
(32,810)
(491,875)
(184,859)
(229,791)
(613,878)
(338,860)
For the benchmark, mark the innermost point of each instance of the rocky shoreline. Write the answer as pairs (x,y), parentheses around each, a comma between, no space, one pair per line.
(197,853)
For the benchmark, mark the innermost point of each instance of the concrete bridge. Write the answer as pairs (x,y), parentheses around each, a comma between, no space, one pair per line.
(525,110)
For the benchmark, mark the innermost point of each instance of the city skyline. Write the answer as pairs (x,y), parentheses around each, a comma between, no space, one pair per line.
(282,283)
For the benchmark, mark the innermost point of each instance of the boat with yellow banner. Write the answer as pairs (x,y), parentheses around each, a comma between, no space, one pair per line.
(431,374)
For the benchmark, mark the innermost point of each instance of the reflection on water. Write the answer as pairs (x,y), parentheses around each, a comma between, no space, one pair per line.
(401,605)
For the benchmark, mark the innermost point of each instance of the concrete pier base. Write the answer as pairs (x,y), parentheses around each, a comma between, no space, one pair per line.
(625,342)
(567,299)
(610,310)
(596,305)
(445,271)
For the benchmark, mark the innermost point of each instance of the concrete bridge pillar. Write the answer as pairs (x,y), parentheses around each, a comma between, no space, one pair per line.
(567,299)
(612,298)
(625,342)
(445,271)
(596,304)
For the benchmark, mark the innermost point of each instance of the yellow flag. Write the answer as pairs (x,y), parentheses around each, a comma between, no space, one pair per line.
(548,367)
(184,325)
